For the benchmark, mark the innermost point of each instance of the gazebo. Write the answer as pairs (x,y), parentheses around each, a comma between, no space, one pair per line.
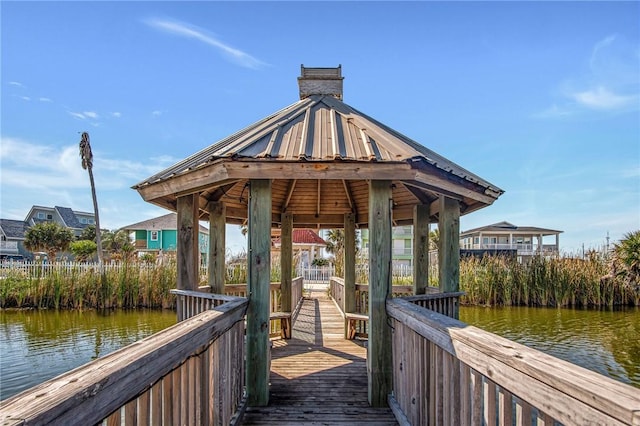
(318,163)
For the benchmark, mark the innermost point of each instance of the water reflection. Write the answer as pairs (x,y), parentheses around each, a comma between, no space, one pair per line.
(604,341)
(38,345)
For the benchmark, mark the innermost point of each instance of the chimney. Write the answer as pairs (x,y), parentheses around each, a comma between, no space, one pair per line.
(320,81)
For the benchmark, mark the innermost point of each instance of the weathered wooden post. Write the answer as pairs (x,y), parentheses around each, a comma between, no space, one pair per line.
(286,264)
(349,297)
(420,248)
(217,253)
(187,245)
(449,248)
(259,271)
(379,355)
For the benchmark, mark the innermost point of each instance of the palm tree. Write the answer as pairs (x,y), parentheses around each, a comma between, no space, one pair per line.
(87,164)
(626,260)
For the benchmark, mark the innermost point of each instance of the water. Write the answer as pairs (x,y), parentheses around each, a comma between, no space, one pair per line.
(36,346)
(604,341)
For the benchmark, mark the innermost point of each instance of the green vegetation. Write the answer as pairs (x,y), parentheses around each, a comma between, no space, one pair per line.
(125,285)
(48,237)
(543,282)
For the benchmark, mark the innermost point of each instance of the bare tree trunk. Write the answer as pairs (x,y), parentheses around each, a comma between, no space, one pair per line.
(95,209)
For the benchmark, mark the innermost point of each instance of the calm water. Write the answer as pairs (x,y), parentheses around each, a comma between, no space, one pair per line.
(38,345)
(604,341)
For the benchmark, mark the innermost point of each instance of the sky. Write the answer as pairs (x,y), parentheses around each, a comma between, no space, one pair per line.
(542,99)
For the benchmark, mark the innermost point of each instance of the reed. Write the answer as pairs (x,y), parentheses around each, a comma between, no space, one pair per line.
(562,282)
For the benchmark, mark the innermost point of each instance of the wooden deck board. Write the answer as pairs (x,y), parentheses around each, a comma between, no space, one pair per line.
(318,377)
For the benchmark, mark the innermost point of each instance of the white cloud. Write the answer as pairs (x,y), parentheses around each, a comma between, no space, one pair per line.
(77,115)
(91,114)
(156,113)
(25,98)
(16,83)
(190,31)
(602,99)
(43,99)
(554,111)
(116,114)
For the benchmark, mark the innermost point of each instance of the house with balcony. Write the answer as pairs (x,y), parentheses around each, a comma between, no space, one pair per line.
(401,244)
(12,239)
(507,238)
(160,234)
(65,216)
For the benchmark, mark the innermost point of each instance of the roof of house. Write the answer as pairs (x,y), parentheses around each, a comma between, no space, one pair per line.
(506,227)
(320,154)
(69,217)
(165,222)
(303,236)
(14,229)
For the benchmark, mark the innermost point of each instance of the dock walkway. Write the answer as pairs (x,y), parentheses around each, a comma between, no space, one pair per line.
(318,377)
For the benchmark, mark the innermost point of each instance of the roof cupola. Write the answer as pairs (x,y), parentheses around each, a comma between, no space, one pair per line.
(320,81)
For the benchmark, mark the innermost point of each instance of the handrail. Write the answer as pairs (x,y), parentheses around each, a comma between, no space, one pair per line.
(191,373)
(447,372)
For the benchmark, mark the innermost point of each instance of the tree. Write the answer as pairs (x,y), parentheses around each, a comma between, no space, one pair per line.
(434,239)
(88,233)
(335,246)
(83,249)
(49,237)
(118,244)
(87,163)
(626,260)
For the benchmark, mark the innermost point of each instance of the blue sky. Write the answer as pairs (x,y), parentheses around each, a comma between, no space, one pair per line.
(541,99)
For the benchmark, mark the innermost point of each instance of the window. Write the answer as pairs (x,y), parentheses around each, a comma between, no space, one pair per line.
(49,217)
(40,215)
(92,222)
(154,235)
(83,220)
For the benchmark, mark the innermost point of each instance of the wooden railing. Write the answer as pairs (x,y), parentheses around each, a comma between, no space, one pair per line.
(447,372)
(280,323)
(190,373)
(357,322)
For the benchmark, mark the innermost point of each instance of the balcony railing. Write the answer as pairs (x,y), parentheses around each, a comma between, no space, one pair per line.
(9,246)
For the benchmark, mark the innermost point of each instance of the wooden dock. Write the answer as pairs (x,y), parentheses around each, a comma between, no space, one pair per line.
(318,377)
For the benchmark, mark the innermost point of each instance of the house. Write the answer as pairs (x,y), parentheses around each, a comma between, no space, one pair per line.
(401,244)
(307,245)
(12,239)
(74,220)
(505,237)
(161,233)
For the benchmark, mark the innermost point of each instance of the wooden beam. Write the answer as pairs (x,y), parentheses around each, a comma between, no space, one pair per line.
(286,262)
(292,186)
(259,271)
(379,353)
(187,250)
(217,248)
(449,248)
(420,249)
(347,191)
(349,267)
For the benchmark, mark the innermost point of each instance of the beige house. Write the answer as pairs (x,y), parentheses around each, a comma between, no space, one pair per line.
(506,237)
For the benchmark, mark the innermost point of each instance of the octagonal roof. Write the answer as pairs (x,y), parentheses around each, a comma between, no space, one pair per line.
(320,154)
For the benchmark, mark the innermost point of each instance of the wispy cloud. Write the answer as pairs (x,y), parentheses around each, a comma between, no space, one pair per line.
(25,98)
(116,114)
(84,115)
(609,85)
(156,113)
(182,29)
(43,99)
(17,84)
(603,99)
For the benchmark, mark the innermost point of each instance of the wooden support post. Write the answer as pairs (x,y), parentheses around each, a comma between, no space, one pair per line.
(259,271)
(217,253)
(187,245)
(349,296)
(379,354)
(420,249)
(449,248)
(286,263)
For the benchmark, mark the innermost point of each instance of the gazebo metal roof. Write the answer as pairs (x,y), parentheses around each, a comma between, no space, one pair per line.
(320,154)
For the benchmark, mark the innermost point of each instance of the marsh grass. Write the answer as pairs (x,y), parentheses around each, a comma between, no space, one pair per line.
(129,286)
(561,282)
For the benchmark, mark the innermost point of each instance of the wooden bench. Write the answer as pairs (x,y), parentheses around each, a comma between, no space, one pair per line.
(351,320)
(285,323)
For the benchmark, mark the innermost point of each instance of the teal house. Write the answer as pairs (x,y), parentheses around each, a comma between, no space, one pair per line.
(161,233)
